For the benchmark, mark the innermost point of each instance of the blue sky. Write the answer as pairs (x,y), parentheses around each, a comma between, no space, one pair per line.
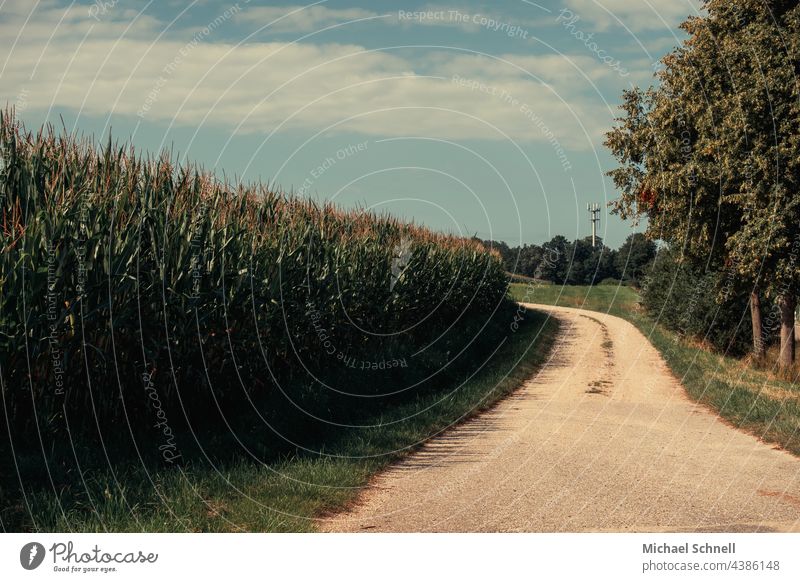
(469,117)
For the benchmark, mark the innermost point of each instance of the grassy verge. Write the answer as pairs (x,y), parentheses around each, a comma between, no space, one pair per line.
(754,400)
(283,495)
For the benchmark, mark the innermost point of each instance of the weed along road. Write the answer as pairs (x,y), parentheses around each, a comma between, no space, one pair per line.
(603,438)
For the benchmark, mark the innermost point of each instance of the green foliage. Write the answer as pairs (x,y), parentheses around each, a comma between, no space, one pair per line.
(686,300)
(554,265)
(589,265)
(525,260)
(711,155)
(283,494)
(561,261)
(127,281)
(634,257)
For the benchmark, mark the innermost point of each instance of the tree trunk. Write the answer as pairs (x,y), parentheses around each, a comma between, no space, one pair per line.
(758,332)
(787,305)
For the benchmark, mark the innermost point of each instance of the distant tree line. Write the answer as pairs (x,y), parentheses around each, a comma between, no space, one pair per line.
(682,294)
(577,262)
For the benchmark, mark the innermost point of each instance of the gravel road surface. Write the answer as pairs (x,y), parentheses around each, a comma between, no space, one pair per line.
(603,438)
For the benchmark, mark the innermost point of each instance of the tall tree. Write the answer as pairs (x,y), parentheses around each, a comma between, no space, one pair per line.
(556,257)
(589,265)
(711,155)
(634,257)
(529,258)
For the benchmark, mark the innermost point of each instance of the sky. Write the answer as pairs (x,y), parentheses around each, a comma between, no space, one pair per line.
(474,118)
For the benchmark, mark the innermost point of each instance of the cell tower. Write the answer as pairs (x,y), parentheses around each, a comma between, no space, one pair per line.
(594,211)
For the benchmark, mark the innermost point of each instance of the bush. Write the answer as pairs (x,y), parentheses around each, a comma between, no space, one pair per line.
(634,257)
(687,300)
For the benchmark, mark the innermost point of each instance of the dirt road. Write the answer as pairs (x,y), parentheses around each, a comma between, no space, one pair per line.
(602,438)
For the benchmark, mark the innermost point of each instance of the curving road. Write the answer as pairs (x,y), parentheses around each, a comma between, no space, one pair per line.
(602,438)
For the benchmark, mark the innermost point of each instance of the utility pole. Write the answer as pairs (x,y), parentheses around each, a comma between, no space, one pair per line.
(594,210)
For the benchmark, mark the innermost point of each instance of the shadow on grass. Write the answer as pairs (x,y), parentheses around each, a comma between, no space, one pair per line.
(227,491)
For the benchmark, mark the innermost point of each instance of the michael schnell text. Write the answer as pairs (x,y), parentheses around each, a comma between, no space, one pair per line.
(685,548)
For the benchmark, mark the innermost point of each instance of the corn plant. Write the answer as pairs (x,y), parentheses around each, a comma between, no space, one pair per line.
(123,275)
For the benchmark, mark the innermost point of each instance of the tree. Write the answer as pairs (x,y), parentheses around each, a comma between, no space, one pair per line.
(507,254)
(711,155)
(554,265)
(634,258)
(528,259)
(682,297)
(590,265)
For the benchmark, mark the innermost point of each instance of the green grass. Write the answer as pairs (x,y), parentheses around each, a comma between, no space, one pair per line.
(285,495)
(612,299)
(751,399)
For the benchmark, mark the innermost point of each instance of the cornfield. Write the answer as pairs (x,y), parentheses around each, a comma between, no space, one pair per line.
(129,279)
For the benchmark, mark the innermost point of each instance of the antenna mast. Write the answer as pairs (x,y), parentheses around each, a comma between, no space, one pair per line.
(594,211)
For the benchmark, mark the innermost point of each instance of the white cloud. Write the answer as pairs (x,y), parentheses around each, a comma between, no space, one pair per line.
(299,19)
(637,15)
(257,87)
